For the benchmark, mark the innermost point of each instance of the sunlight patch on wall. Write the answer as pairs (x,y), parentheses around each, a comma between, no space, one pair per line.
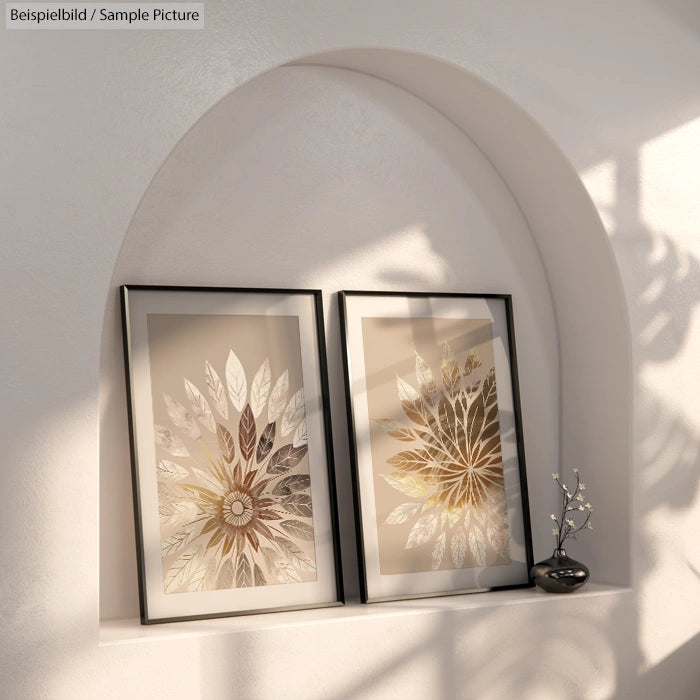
(601,182)
(665,628)
(670,182)
(669,210)
(668,345)
(668,506)
(575,654)
(650,200)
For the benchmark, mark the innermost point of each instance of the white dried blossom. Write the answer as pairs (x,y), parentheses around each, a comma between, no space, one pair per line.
(572,502)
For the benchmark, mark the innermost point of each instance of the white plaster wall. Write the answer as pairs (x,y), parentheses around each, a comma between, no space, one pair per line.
(87,119)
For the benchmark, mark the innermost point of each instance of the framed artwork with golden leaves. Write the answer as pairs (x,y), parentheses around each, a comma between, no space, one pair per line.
(436,442)
(231,454)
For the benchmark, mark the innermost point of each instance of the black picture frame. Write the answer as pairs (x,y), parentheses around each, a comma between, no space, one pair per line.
(439,479)
(231,451)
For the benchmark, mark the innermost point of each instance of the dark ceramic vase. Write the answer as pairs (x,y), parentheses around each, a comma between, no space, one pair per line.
(559,573)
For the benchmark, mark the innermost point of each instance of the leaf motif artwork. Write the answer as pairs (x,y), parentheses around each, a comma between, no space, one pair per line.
(411,402)
(439,550)
(216,390)
(459,547)
(278,397)
(235,507)
(267,440)
(227,445)
(440,491)
(286,572)
(258,576)
(296,555)
(181,417)
(260,388)
(231,456)
(244,575)
(408,484)
(177,541)
(423,530)
(200,406)
(247,435)
(450,371)
(170,470)
(298,528)
(298,504)
(448,462)
(286,458)
(402,513)
(301,436)
(292,484)
(186,571)
(170,442)
(397,430)
(236,381)
(293,413)
(424,376)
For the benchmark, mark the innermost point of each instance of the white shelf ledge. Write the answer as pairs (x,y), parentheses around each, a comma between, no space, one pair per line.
(129,631)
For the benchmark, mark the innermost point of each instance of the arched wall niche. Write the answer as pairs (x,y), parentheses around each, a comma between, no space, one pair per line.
(381,169)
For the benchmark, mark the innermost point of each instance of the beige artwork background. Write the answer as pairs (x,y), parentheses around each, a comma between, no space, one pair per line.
(389,346)
(179,345)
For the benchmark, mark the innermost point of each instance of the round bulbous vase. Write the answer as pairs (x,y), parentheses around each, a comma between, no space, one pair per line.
(560,573)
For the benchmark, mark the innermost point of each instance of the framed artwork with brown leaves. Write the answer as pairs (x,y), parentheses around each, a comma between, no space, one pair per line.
(231,454)
(436,442)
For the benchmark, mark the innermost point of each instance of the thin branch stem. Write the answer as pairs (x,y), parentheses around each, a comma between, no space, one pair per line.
(566,527)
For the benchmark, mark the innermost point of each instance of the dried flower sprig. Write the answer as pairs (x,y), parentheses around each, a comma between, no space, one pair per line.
(572,503)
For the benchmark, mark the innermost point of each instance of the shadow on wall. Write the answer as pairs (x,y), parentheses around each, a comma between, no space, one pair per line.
(477,653)
(466,654)
(662,282)
(663,287)
(686,14)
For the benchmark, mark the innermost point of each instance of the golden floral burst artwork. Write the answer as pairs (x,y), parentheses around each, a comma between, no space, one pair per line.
(451,467)
(234,490)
